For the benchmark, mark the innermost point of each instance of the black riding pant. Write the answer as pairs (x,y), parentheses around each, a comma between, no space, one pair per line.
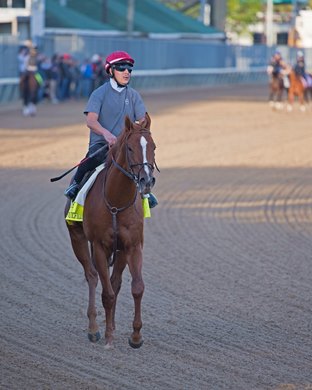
(91,163)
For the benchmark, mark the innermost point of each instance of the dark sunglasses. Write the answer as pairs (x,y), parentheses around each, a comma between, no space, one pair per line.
(123,67)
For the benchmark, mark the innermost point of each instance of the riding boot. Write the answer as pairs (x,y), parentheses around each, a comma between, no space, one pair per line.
(72,191)
(85,167)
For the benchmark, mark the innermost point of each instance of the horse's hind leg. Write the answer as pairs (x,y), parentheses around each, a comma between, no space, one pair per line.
(25,94)
(33,99)
(135,261)
(81,249)
(271,97)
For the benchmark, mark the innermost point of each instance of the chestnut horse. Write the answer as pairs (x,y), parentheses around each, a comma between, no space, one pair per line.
(113,227)
(29,89)
(296,89)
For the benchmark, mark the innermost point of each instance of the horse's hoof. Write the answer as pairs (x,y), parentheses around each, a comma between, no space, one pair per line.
(108,346)
(135,345)
(94,337)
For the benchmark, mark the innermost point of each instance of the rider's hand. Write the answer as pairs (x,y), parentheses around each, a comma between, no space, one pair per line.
(110,138)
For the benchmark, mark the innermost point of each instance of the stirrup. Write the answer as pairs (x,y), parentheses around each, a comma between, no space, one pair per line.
(152,200)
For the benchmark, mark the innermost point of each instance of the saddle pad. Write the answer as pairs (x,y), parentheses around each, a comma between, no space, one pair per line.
(75,212)
(309,80)
(304,82)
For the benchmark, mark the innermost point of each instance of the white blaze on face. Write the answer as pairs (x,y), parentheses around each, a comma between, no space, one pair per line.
(143,143)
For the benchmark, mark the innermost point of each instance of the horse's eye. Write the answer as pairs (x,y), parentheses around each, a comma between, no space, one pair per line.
(130,149)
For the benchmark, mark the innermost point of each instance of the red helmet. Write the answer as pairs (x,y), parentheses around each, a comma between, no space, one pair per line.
(115,57)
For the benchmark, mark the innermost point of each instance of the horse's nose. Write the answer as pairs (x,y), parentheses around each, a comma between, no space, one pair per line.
(147,183)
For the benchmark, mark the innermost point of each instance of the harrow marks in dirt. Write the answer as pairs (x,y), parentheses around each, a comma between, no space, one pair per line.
(227,258)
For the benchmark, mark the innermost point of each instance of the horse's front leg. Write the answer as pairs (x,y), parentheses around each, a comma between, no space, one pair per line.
(116,278)
(108,295)
(302,101)
(135,262)
(291,98)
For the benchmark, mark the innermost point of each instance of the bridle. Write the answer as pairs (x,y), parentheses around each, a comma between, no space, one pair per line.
(130,173)
(132,176)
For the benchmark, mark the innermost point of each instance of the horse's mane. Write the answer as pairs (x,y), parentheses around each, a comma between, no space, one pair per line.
(294,75)
(129,127)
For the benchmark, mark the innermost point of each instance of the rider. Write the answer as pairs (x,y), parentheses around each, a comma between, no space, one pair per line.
(105,113)
(28,66)
(278,68)
(33,59)
(299,67)
(277,65)
(22,58)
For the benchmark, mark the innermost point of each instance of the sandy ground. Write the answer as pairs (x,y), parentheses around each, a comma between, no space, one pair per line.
(227,258)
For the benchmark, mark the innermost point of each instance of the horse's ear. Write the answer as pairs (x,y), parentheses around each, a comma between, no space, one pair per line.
(128,123)
(148,120)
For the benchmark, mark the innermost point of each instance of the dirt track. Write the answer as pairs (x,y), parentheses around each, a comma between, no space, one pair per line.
(227,259)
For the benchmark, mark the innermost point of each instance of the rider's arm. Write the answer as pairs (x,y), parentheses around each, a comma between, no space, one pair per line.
(95,126)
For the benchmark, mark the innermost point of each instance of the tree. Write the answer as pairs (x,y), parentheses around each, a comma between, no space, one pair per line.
(241,14)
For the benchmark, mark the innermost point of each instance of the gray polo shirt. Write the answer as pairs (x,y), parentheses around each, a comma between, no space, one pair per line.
(112,107)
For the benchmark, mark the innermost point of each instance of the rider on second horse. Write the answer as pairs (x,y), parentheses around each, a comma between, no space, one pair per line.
(105,112)
(299,67)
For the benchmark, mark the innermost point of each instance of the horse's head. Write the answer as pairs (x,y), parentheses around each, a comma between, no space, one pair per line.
(140,153)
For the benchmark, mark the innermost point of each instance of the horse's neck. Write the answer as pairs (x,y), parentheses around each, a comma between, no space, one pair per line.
(119,188)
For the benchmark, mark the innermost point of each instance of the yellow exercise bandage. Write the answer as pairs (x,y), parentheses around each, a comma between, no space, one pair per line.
(146,208)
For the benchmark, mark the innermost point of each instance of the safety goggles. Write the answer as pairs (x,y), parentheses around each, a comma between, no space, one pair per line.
(123,67)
